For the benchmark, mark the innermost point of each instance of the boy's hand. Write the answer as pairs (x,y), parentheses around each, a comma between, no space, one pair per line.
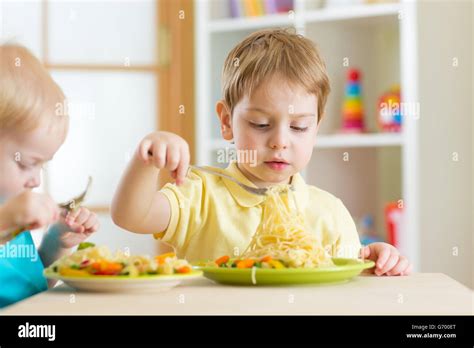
(81,223)
(166,150)
(387,259)
(30,210)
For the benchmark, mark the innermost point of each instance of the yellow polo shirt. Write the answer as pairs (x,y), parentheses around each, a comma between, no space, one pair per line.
(213,216)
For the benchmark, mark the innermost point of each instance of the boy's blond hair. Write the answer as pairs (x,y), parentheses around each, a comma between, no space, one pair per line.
(268,52)
(29,97)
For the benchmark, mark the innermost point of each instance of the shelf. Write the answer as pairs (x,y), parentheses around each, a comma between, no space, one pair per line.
(312,16)
(338,141)
(351,12)
(383,166)
(249,23)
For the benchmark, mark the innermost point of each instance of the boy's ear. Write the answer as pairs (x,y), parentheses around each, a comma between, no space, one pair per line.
(225,119)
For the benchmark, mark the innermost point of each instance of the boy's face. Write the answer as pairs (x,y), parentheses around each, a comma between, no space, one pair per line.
(278,123)
(22,157)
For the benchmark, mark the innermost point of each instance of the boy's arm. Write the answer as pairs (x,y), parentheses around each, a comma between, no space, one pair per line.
(50,249)
(137,205)
(77,226)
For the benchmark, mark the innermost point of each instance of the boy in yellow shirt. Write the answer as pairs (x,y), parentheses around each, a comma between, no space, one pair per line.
(275,88)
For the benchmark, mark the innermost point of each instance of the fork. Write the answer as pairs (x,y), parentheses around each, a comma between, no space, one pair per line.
(76,202)
(68,206)
(255,190)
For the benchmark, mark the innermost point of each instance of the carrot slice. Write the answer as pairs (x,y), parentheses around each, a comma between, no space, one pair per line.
(114,267)
(222,259)
(96,266)
(266,259)
(104,267)
(160,259)
(184,269)
(247,263)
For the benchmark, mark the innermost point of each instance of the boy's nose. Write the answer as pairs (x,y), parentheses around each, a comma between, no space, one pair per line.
(279,140)
(33,182)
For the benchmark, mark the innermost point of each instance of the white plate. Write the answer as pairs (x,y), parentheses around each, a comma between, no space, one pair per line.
(124,283)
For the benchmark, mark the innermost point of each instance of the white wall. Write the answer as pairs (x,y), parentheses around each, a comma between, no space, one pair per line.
(446,128)
(110,111)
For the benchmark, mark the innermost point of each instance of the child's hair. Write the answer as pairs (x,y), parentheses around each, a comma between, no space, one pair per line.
(28,95)
(267,52)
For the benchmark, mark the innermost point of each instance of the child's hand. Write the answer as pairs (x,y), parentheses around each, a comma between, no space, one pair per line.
(82,223)
(387,259)
(166,150)
(30,210)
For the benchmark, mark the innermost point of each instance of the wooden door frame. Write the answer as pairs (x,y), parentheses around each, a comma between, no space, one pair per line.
(176,79)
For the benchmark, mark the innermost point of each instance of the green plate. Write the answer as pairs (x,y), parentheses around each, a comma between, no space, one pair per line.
(343,270)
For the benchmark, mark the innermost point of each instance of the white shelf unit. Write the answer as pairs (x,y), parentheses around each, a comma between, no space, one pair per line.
(380,39)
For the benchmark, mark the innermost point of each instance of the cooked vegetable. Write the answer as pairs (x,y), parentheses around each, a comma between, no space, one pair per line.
(276,264)
(91,260)
(248,263)
(104,267)
(162,258)
(85,245)
(184,269)
(70,272)
(264,262)
(223,259)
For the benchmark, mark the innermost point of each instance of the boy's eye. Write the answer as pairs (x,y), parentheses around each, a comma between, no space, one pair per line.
(29,167)
(259,125)
(23,166)
(299,129)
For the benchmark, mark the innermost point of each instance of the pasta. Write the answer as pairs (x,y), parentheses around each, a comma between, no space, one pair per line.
(282,239)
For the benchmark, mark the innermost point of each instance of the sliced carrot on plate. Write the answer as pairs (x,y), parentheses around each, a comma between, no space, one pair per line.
(247,263)
(160,259)
(184,269)
(221,260)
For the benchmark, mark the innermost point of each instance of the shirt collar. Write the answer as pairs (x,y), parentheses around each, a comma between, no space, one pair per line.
(247,199)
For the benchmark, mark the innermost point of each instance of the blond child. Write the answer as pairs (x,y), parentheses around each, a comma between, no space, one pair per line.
(31,132)
(275,87)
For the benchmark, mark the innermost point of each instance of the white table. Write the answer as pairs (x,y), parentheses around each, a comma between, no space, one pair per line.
(417,294)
